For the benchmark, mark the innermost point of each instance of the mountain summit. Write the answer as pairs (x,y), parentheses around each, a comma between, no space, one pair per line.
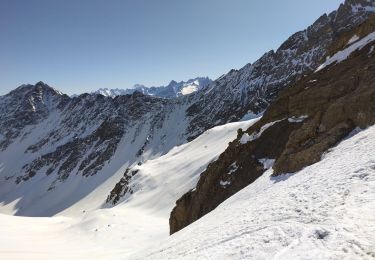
(172,90)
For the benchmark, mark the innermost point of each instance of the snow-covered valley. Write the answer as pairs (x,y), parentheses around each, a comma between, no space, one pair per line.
(324,211)
(87,229)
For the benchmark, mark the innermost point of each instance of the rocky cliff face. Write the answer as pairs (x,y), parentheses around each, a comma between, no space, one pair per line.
(307,119)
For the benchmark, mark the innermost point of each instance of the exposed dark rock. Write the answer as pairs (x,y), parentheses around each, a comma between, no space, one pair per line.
(24,106)
(122,187)
(237,167)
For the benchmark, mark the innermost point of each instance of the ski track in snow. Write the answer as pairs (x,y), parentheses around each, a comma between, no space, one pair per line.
(325,211)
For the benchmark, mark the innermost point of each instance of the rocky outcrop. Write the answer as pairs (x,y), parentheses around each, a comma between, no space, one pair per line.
(301,125)
(122,188)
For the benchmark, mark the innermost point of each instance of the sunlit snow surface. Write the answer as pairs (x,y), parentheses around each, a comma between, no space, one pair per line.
(135,224)
(325,211)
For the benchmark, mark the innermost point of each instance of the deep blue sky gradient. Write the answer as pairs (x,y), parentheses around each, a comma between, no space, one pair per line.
(82,45)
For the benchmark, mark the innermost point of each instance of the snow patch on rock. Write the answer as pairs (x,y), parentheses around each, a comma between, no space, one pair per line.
(267,163)
(344,54)
(297,119)
(353,39)
(248,138)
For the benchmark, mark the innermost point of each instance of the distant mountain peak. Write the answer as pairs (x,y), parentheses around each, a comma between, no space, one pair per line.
(39,87)
(172,90)
(173,82)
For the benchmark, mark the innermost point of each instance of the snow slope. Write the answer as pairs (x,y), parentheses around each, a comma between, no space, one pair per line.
(136,223)
(104,234)
(325,211)
(160,182)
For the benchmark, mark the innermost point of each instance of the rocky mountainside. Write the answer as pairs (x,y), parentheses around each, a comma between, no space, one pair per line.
(251,89)
(51,143)
(48,139)
(304,122)
(172,90)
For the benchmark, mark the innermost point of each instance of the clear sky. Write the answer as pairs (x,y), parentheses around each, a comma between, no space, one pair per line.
(82,45)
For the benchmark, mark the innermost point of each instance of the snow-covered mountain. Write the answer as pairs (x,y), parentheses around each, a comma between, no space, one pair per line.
(252,88)
(304,122)
(50,141)
(108,169)
(172,90)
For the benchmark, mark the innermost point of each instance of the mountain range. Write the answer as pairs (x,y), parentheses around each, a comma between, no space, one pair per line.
(254,149)
(172,90)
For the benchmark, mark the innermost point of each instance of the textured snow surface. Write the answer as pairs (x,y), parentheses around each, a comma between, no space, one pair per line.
(344,54)
(325,211)
(135,224)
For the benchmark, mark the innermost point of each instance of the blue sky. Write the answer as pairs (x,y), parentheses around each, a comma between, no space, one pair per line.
(82,45)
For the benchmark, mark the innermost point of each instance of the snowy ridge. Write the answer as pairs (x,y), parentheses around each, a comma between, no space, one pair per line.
(172,90)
